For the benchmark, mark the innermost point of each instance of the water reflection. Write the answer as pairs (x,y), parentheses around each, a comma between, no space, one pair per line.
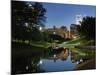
(60,61)
(47,61)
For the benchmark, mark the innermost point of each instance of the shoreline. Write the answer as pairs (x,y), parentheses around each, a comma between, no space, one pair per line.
(86,47)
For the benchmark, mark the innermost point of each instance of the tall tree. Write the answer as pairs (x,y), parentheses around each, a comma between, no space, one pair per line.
(88,27)
(26,17)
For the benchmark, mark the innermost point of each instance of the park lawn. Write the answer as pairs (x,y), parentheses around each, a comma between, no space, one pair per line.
(41,44)
(34,43)
(74,41)
(77,42)
(81,41)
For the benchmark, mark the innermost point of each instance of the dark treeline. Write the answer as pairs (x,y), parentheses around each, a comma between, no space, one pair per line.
(27,18)
(88,28)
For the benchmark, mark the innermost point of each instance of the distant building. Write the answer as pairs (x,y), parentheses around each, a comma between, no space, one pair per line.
(73,31)
(74,27)
(63,32)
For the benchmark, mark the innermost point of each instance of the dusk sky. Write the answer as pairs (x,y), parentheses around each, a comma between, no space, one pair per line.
(65,14)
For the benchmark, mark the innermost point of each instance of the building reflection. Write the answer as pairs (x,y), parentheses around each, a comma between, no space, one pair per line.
(62,55)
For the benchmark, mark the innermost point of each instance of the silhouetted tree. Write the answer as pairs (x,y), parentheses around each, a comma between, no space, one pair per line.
(87,28)
(64,28)
(27,17)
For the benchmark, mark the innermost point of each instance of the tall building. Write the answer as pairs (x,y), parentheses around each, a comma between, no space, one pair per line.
(74,27)
(73,31)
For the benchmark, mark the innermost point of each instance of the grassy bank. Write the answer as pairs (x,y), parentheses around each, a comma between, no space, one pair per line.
(41,44)
(81,41)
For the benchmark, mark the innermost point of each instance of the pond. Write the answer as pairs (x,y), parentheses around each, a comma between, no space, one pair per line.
(49,61)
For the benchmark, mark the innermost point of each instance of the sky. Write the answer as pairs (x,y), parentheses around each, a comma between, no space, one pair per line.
(65,14)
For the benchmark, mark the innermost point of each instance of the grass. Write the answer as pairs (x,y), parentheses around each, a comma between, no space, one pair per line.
(41,44)
(78,51)
(74,41)
(90,42)
(81,41)
(77,42)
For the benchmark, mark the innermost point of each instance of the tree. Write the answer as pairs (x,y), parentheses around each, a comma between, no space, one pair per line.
(64,28)
(87,28)
(27,17)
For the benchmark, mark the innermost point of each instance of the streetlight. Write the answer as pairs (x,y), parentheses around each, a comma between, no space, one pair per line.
(26,24)
(40,28)
(54,45)
(54,33)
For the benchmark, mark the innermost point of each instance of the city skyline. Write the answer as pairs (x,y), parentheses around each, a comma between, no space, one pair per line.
(65,14)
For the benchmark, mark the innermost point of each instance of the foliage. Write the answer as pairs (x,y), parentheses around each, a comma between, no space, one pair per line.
(46,36)
(64,28)
(87,28)
(55,37)
(27,17)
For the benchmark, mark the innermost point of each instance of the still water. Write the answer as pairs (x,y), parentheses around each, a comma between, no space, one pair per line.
(48,61)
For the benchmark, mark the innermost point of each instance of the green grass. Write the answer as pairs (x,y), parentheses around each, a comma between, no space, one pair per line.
(41,44)
(78,51)
(79,42)
(74,41)
(89,42)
